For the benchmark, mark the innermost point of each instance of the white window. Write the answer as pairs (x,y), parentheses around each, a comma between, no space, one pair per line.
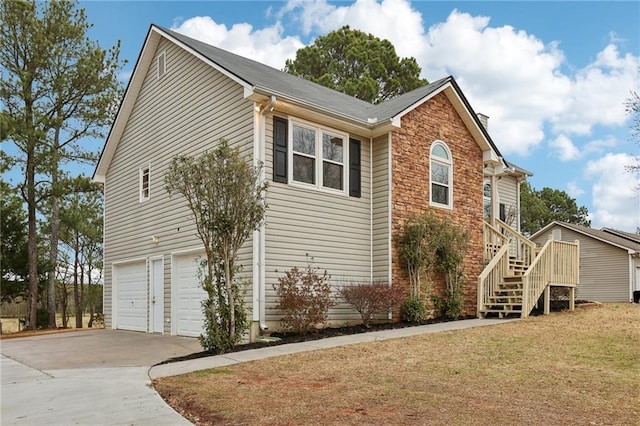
(144,183)
(162,64)
(441,175)
(318,157)
(486,198)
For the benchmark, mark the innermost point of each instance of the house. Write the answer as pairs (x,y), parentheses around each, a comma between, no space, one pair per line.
(344,176)
(609,260)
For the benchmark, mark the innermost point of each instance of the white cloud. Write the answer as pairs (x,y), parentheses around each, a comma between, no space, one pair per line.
(615,203)
(600,145)
(506,73)
(394,20)
(266,45)
(599,92)
(574,190)
(564,148)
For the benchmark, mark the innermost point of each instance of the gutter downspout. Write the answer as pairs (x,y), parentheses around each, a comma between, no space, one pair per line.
(371,209)
(632,271)
(262,291)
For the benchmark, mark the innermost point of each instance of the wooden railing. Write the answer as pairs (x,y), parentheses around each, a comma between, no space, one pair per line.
(492,275)
(520,248)
(493,241)
(555,265)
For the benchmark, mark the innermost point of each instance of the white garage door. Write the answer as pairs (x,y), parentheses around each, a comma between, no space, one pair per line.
(130,283)
(190,295)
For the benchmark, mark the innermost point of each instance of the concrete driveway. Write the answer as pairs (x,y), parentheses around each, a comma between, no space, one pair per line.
(97,377)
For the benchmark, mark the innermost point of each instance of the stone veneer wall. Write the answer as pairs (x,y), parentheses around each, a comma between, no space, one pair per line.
(438,119)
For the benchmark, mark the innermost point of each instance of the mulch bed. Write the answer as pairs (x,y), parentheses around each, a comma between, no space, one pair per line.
(324,333)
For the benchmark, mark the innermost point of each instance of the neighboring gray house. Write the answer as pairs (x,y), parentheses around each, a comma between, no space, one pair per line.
(343,209)
(609,260)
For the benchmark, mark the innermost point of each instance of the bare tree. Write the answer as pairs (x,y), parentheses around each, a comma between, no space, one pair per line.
(633,109)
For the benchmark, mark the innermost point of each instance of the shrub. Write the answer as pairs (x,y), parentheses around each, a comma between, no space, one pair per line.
(371,299)
(413,310)
(304,296)
(452,304)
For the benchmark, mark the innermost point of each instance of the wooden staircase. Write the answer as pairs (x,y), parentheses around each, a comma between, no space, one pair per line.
(506,300)
(517,273)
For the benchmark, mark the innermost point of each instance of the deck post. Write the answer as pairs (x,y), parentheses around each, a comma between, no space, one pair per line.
(547,300)
(572,298)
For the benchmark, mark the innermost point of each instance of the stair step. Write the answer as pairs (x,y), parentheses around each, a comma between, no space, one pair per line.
(500,311)
(508,288)
(493,305)
(512,278)
(504,299)
(510,295)
(501,314)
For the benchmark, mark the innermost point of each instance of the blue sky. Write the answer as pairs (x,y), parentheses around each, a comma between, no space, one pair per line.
(552,76)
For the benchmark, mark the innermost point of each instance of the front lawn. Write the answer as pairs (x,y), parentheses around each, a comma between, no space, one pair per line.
(580,367)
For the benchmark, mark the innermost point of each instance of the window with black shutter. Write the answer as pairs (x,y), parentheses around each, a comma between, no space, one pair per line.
(354,168)
(280,132)
(313,156)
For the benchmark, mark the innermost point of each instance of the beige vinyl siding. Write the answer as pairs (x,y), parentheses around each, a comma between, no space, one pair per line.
(604,269)
(508,195)
(381,207)
(185,112)
(333,229)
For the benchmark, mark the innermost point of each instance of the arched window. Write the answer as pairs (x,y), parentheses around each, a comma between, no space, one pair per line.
(441,178)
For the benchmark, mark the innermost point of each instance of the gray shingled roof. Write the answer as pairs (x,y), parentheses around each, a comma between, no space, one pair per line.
(604,236)
(278,82)
(623,234)
(272,81)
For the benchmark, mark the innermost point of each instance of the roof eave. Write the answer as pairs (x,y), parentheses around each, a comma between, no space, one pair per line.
(295,106)
(578,230)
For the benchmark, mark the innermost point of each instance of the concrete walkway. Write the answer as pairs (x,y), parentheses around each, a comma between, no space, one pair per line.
(90,377)
(182,367)
(97,396)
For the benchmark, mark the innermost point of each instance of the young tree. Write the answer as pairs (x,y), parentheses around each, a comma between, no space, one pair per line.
(58,86)
(226,197)
(449,245)
(414,250)
(539,208)
(358,64)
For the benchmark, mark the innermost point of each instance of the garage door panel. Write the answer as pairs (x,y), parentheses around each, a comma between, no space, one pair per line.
(190,294)
(131,296)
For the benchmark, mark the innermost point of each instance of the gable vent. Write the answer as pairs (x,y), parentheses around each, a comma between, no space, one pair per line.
(162,64)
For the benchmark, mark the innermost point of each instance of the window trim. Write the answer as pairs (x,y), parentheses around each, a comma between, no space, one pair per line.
(319,157)
(162,56)
(449,165)
(142,197)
